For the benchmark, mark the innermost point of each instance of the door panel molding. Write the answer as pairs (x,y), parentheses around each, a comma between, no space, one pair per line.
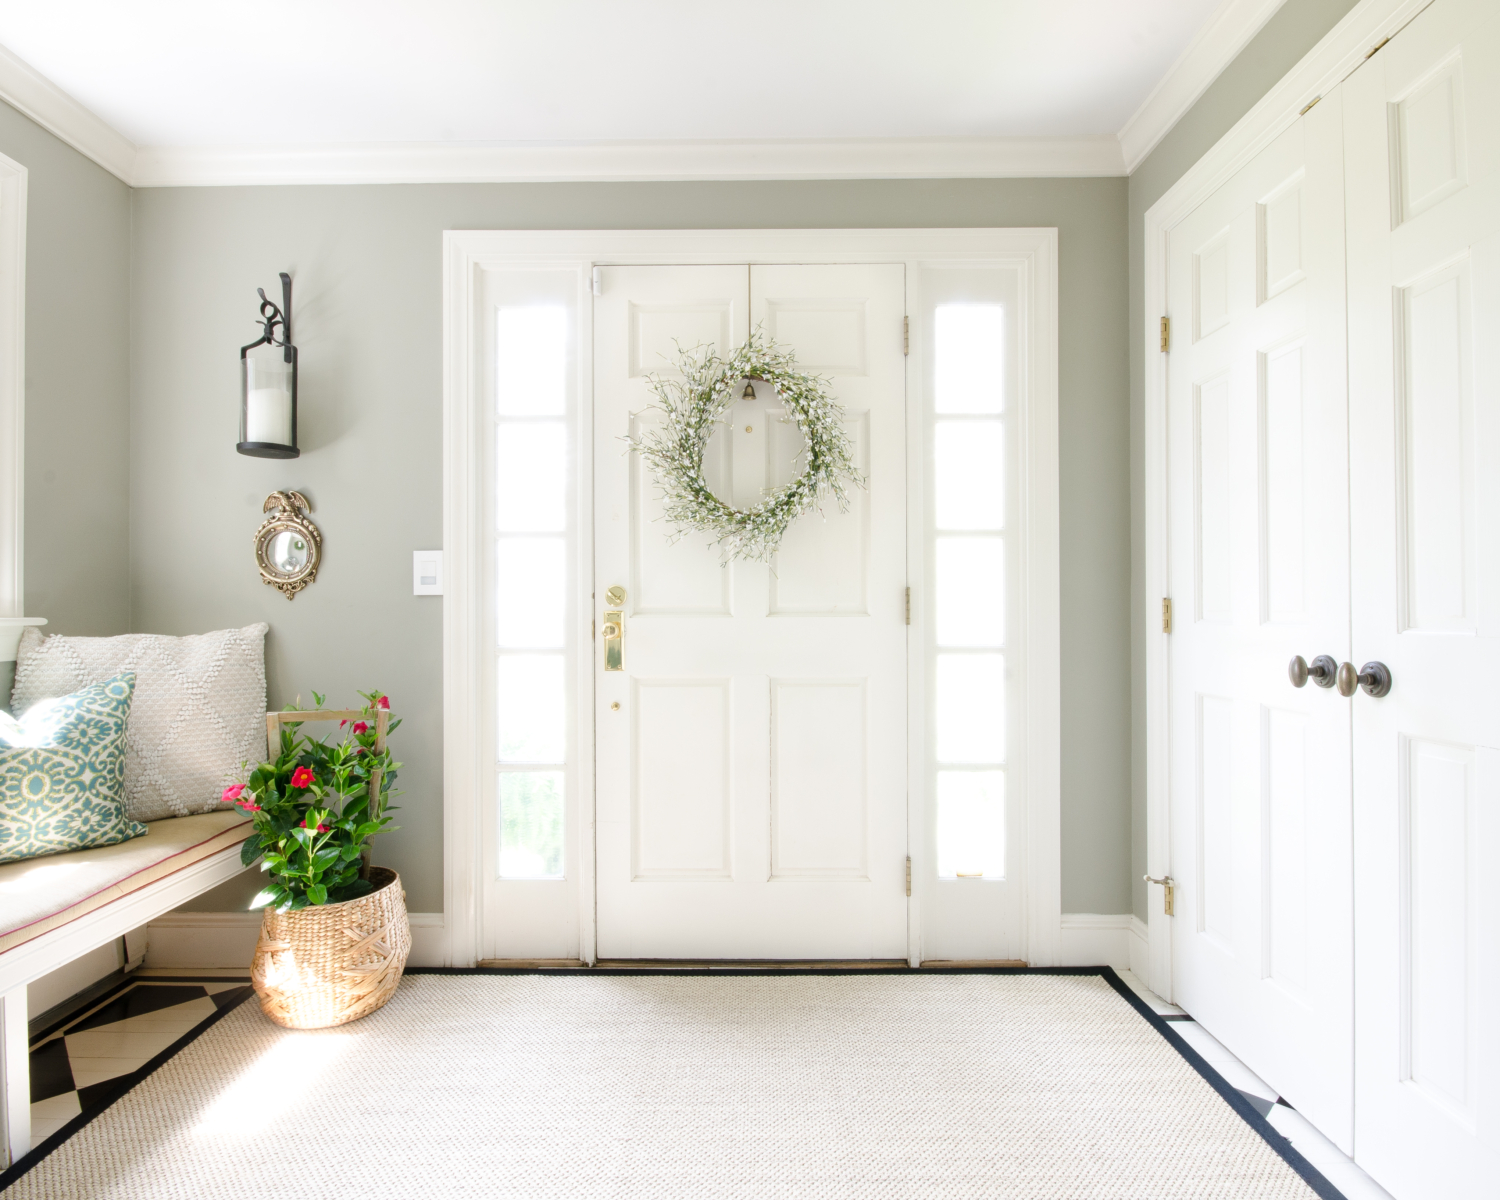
(1035,662)
(1316,75)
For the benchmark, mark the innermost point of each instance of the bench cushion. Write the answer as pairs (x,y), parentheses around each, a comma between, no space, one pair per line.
(40,894)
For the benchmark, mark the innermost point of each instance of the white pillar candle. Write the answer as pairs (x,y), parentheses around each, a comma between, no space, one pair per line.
(268,416)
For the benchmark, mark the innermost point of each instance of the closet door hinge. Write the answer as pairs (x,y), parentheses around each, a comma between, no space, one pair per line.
(908,874)
(1168,892)
(1373,49)
(1166,614)
(1166,334)
(905,335)
(908,606)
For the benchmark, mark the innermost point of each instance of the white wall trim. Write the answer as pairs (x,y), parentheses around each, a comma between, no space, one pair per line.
(466,253)
(1228,32)
(13,187)
(1094,940)
(202,940)
(1321,69)
(873,158)
(32,93)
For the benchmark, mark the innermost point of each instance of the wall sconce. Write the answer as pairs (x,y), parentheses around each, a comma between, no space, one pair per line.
(268,383)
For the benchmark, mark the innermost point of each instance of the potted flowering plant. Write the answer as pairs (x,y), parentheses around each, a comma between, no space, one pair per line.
(315,810)
(334,935)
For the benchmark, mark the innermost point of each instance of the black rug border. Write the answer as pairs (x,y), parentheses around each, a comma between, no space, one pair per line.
(1278,1142)
(1289,1154)
(122,1085)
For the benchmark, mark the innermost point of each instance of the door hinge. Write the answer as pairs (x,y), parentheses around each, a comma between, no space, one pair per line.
(1376,47)
(1303,111)
(908,874)
(1166,614)
(908,606)
(597,281)
(1168,889)
(592,634)
(1166,334)
(905,335)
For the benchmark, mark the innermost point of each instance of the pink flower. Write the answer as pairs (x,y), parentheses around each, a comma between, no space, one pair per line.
(248,806)
(383,702)
(233,792)
(321,828)
(360,727)
(302,777)
(342,724)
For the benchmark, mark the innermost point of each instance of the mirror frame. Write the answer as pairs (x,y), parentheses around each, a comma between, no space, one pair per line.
(290,516)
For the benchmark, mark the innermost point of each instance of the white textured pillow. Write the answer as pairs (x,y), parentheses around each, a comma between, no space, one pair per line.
(199,710)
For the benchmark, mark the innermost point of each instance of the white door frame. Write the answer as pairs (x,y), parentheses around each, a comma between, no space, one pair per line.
(1326,65)
(1032,253)
(13,186)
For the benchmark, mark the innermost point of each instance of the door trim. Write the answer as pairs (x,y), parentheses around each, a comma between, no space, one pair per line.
(468,253)
(1322,69)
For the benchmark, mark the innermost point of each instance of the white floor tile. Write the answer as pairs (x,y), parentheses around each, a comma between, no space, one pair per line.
(1159,1006)
(1222,1061)
(179,1016)
(1340,1170)
(64,1107)
(122,1043)
(45,1127)
(89,1071)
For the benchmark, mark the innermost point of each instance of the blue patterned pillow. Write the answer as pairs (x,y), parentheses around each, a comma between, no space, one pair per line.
(62,773)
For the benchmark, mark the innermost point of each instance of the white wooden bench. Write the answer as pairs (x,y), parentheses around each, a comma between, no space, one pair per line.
(54,909)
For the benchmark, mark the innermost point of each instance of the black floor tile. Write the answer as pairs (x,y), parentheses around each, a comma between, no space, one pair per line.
(138,1001)
(51,1074)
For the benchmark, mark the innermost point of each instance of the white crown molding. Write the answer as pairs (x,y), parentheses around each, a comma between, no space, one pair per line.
(36,96)
(906,158)
(1228,31)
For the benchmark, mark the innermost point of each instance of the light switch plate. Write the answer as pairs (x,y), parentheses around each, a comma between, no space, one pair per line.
(426,572)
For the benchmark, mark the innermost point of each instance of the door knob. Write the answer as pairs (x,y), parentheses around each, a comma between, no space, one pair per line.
(1322,672)
(1374,677)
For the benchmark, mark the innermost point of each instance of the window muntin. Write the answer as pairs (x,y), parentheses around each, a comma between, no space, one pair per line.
(533,484)
(968,610)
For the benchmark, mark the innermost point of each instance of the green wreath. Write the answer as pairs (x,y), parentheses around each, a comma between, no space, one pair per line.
(695,403)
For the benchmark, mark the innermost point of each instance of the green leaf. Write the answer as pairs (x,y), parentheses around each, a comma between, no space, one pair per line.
(269,895)
(317,893)
(250,850)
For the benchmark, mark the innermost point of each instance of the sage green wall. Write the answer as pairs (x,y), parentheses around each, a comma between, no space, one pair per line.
(77,385)
(368,313)
(1295,29)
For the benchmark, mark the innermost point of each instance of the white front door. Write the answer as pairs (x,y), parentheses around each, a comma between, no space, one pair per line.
(1259,769)
(751,755)
(1423,179)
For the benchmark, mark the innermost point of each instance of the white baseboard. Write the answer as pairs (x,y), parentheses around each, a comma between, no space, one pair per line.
(1095,940)
(1140,948)
(188,940)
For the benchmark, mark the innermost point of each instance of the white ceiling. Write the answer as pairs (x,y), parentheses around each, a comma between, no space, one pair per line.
(176,74)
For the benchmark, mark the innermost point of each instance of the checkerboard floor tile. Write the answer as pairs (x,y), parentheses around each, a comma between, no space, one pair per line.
(1337,1167)
(80,1064)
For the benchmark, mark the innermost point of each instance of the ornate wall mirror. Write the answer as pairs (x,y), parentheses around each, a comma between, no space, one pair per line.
(288,546)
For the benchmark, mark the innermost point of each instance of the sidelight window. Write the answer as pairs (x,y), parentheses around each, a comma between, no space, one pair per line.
(967,622)
(532,483)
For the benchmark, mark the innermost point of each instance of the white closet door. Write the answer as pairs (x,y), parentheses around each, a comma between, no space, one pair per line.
(1259,769)
(1423,180)
(751,754)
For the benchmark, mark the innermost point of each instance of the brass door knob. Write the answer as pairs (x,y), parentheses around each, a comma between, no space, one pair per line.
(1373,677)
(1322,671)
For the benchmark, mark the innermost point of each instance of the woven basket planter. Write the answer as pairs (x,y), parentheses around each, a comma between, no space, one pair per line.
(329,964)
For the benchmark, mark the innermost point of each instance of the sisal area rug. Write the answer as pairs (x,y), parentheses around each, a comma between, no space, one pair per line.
(1042,1086)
